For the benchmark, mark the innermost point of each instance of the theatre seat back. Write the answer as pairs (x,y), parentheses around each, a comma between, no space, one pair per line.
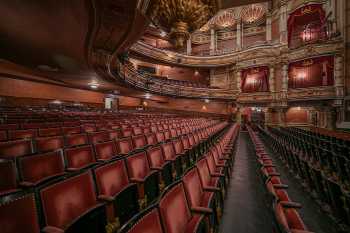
(96,137)
(105,150)
(50,132)
(151,139)
(71,130)
(185,142)
(204,172)
(22,134)
(49,144)
(211,163)
(124,146)
(13,149)
(8,179)
(65,201)
(149,223)
(178,146)
(19,215)
(79,157)
(160,137)
(36,168)
(155,157)
(139,141)
(76,140)
(174,211)
(127,132)
(137,130)
(111,178)
(168,151)
(193,187)
(138,166)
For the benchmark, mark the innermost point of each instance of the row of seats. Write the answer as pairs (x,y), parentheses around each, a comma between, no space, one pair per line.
(195,203)
(123,187)
(77,153)
(320,162)
(285,210)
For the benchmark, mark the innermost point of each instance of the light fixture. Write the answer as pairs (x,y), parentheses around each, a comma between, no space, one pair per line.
(206,100)
(162,33)
(301,75)
(204,108)
(147,96)
(93,85)
(298,108)
(196,72)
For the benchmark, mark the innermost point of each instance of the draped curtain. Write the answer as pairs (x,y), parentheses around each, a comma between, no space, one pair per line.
(306,24)
(312,72)
(255,79)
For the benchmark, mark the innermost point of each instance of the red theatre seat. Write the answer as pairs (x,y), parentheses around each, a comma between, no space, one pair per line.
(114,187)
(36,169)
(207,180)
(8,177)
(140,173)
(19,215)
(71,206)
(88,128)
(79,157)
(9,126)
(49,144)
(50,132)
(3,135)
(139,142)
(105,150)
(13,149)
(288,218)
(124,146)
(170,155)
(127,132)
(160,137)
(22,134)
(76,140)
(115,134)
(157,162)
(151,139)
(176,215)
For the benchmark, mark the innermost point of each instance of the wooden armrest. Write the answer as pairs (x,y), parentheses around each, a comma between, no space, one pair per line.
(290,204)
(50,229)
(280,186)
(274,174)
(202,210)
(211,189)
(105,198)
(136,180)
(73,169)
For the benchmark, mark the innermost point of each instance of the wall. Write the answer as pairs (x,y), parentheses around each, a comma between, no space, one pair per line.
(295,115)
(36,90)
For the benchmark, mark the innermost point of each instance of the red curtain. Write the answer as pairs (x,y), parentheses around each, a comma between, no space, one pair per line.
(311,72)
(255,79)
(312,14)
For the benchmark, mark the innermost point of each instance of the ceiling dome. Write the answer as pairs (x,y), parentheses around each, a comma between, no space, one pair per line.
(253,13)
(225,19)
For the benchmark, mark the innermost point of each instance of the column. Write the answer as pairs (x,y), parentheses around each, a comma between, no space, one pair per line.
(239,36)
(268,27)
(239,81)
(285,78)
(212,41)
(272,79)
(238,115)
(268,117)
(283,24)
(189,46)
(339,76)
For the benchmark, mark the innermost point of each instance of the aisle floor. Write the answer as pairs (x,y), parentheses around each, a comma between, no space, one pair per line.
(245,209)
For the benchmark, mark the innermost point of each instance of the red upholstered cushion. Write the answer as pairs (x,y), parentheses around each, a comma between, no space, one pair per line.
(37,168)
(71,130)
(127,132)
(105,150)
(53,124)
(7,176)
(22,134)
(160,137)
(12,149)
(179,148)
(146,130)
(138,166)
(139,141)
(19,216)
(293,219)
(168,151)
(193,187)
(173,133)
(49,144)
(88,128)
(31,125)
(50,132)
(114,134)
(111,178)
(185,142)
(191,140)
(137,130)
(204,172)
(174,211)
(3,135)
(155,157)
(79,157)
(76,140)
(167,135)
(150,223)
(211,164)
(65,201)
(96,137)
(151,139)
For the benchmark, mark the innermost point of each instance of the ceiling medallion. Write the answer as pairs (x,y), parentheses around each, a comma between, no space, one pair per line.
(181,17)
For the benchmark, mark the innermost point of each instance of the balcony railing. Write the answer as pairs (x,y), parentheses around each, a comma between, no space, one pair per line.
(159,86)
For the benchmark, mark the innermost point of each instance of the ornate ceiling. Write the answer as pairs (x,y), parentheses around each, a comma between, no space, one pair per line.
(249,14)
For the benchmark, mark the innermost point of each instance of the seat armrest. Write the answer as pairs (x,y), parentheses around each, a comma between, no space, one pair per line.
(105,198)
(290,204)
(274,174)
(268,165)
(280,186)
(73,169)
(156,168)
(211,189)
(50,229)
(26,184)
(201,210)
(136,180)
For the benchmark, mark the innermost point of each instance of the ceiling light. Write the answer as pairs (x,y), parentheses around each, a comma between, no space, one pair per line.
(93,86)
(206,100)
(147,95)
(162,33)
